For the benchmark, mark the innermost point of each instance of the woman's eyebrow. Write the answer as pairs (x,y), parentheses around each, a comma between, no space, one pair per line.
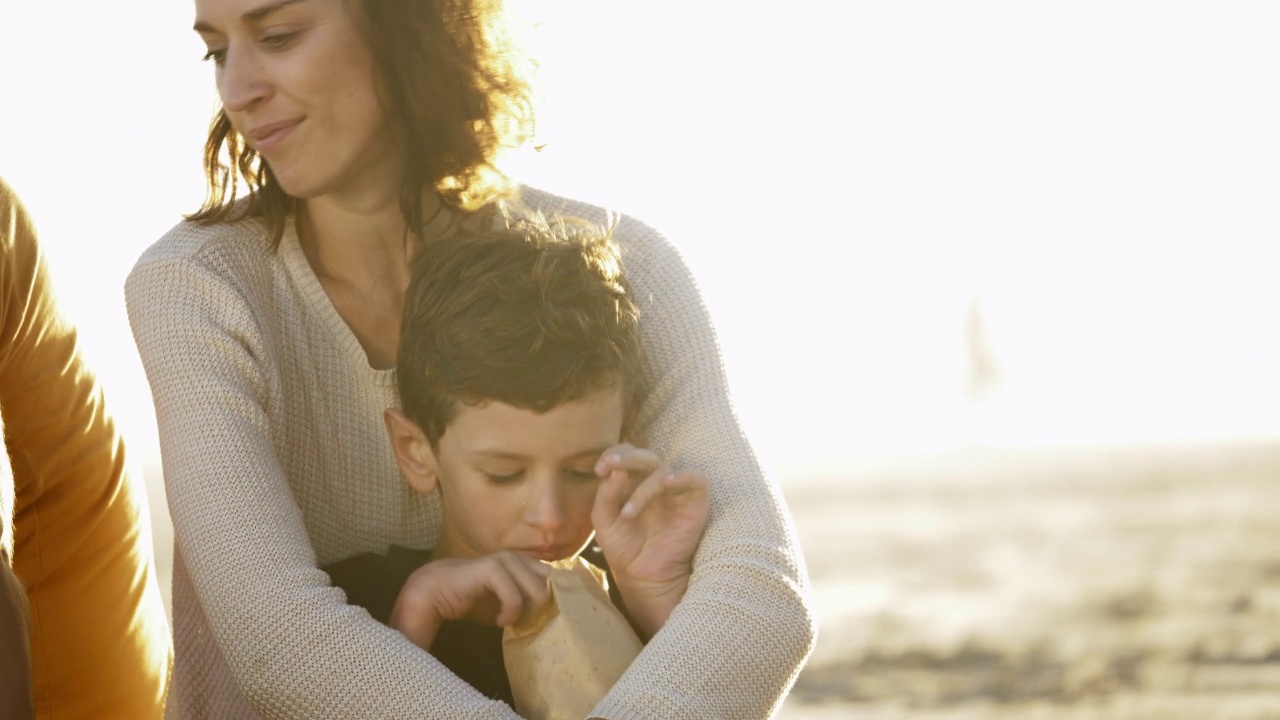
(251,16)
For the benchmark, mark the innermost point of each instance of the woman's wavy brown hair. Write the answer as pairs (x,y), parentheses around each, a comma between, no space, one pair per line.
(457,91)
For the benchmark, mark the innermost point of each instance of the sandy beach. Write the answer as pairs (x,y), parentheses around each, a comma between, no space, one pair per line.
(1102,584)
(1123,584)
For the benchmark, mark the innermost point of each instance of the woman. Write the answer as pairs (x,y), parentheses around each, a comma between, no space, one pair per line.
(268,328)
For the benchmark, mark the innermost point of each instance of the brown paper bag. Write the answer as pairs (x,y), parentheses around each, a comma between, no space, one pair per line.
(563,659)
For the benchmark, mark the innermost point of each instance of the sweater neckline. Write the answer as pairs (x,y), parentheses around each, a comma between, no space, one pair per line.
(295,261)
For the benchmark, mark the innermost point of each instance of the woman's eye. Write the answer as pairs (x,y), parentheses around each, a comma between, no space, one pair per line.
(275,42)
(215,55)
(586,475)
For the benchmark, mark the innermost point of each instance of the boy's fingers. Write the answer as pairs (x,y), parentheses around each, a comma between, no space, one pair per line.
(690,492)
(652,487)
(612,493)
(510,599)
(678,485)
(530,577)
(611,457)
(686,481)
(636,461)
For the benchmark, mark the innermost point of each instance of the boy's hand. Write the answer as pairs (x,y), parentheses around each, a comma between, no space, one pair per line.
(493,590)
(648,522)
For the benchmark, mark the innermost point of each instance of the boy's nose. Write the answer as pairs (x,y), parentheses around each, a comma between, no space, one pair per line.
(545,509)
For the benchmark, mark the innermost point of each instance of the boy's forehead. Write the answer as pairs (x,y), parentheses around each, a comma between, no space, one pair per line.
(577,427)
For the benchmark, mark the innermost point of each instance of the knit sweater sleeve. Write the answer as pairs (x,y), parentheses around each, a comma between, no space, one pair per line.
(293,645)
(736,642)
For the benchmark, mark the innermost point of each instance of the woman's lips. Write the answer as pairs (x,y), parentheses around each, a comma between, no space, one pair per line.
(269,137)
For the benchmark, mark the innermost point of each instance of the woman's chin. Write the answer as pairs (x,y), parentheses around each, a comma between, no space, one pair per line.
(294,186)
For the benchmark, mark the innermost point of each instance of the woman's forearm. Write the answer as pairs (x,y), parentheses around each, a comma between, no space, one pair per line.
(736,641)
(245,567)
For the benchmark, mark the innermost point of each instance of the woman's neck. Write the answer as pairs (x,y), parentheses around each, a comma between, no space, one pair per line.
(355,243)
(361,253)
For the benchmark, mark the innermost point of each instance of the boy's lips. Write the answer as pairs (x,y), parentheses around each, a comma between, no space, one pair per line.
(547,552)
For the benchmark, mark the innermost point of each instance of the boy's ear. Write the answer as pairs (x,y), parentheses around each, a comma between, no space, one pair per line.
(413,452)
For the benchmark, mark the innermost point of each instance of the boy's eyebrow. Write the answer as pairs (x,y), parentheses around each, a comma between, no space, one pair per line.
(251,16)
(593,452)
(504,455)
(497,455)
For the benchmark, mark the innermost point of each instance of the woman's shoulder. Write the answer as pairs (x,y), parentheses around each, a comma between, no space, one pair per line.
(197,241)
(644,248)
(239,252)
(629,230)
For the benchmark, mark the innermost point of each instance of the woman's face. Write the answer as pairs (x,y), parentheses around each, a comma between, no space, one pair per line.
(298,82)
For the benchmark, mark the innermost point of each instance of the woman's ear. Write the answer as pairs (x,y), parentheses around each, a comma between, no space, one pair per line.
(413,453)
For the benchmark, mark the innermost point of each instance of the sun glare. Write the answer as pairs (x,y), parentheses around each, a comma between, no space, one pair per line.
(850,184)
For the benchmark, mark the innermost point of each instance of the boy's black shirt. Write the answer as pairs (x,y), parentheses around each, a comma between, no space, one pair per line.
(470,650)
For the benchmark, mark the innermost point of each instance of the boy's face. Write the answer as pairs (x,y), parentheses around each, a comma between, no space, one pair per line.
(514,479)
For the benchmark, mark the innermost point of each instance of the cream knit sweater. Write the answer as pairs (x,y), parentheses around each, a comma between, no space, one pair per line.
(276,461)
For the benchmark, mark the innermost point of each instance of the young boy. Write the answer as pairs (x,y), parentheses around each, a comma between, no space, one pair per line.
(519,369)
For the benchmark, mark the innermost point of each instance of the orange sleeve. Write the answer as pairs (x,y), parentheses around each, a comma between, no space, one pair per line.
(100,644)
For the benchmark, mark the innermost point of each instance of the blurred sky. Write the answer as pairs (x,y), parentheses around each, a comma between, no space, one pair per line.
(1088,190)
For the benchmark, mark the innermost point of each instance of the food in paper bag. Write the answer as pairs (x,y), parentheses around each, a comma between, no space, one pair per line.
(564,658)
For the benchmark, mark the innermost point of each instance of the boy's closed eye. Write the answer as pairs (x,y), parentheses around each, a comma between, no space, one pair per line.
(504,477)
(512,476)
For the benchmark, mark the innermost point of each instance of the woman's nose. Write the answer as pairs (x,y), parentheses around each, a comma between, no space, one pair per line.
(241,80)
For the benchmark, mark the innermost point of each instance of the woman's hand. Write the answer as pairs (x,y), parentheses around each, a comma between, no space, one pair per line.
(492,590)
(649,521)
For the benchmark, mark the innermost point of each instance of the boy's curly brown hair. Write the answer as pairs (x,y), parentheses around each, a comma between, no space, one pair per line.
(533,316)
